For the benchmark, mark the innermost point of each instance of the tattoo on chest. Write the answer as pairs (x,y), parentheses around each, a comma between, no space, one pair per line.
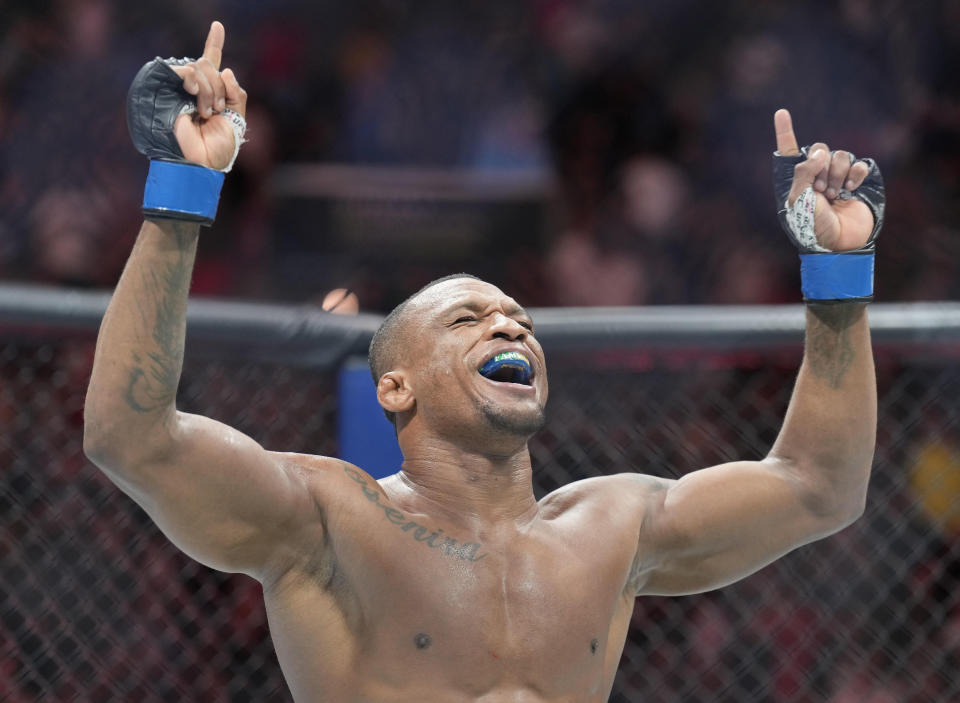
(434,539)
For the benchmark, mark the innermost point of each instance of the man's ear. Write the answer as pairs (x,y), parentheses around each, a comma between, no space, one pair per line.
(394,392)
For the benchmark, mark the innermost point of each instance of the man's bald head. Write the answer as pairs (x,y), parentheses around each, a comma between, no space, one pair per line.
(389,339)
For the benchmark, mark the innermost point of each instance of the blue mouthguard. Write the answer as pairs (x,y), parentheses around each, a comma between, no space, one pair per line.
(511,360)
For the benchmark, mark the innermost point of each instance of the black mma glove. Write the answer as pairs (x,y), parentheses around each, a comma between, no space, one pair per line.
(828,276)
(176,188)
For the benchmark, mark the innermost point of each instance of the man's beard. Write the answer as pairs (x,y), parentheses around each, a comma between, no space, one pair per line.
(514,423)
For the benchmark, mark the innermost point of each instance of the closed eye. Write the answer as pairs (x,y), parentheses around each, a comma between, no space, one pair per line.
(465,318)
(526,325)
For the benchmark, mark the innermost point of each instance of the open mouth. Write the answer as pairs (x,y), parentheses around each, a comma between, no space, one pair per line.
(508,367)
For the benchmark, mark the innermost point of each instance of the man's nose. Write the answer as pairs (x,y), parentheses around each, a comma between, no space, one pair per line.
(506,327)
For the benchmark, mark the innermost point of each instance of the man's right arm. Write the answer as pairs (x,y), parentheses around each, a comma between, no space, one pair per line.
(216,493)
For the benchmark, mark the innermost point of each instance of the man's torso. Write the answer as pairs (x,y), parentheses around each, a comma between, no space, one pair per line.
(397,605)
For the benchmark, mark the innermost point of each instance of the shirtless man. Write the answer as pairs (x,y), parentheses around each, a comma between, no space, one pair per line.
(448,581)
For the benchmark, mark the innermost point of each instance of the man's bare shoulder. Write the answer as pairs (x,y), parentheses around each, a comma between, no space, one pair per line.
(308,462)
(332,484)
(602,519)
(627,491)
(322,474)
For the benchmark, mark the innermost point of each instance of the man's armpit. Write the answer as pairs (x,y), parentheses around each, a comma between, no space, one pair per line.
(652,494)
(307,549)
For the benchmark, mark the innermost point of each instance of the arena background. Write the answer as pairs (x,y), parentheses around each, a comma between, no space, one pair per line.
(576,153)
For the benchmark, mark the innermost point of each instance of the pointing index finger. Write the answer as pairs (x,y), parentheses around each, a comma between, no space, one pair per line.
(786,141)
(213,49)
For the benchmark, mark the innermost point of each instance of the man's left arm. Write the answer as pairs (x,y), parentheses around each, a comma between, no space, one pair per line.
(717,525)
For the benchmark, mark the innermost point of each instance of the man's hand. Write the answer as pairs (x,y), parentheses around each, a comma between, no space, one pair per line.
(840,224)
(206,137)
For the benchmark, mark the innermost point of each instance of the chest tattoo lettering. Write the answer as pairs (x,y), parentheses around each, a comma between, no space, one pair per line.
(434,539)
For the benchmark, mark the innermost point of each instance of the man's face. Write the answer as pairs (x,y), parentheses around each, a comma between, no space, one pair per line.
(452,331)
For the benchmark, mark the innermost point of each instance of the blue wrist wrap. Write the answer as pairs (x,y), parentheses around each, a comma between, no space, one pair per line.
(182,191)
(837,277)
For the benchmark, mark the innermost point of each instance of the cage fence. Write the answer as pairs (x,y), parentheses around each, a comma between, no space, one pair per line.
(96,605)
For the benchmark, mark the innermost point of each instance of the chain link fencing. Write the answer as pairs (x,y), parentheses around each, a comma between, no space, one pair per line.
(96,605)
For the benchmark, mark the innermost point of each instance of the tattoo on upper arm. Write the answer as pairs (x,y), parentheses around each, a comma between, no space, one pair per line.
(153,380)
(435,539)
(829,352)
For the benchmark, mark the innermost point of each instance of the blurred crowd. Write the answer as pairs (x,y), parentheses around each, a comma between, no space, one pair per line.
(650,124)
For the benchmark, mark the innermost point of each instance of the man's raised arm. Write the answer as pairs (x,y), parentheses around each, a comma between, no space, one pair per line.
(215,492)
(717,525)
